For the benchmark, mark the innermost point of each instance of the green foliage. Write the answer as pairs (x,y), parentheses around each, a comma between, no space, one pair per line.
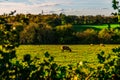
(109,65)
(105,35)
(47,54)
(10,40)
(88,36)
(100,57)
(55,29)
(65,34)
(115,4)
(36,34)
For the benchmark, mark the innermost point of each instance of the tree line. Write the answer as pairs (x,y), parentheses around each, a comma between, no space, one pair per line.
(58,29)
(60,19)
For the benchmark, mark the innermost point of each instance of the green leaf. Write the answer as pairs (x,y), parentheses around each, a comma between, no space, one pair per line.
(51,59)
(47,55)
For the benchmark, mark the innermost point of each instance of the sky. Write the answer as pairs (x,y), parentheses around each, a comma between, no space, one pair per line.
(68,7)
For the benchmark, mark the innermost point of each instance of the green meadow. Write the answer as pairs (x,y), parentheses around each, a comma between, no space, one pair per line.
(79,52)
(95,27)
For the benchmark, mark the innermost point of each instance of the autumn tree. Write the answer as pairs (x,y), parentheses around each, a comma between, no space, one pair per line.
(87,36)
(64,33)
(106,35)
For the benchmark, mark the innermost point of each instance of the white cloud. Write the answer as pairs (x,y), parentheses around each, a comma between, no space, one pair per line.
(6,7)
(19,7)
(32,0)
(56,6)
(35,1)
(49,4)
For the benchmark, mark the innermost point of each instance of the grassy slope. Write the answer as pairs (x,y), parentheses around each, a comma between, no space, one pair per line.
(96,27)
(79,52)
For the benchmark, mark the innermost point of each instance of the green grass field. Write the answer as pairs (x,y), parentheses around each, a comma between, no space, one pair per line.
(96,27)
(79,52)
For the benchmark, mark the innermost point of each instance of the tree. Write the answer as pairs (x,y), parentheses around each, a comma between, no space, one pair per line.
(64,33)
(106,35)
(37,34)
(87,36)
(116,6)
(28,34)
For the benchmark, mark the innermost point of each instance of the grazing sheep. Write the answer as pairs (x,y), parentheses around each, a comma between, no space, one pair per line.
(91,44)
(66,48)
(102,45)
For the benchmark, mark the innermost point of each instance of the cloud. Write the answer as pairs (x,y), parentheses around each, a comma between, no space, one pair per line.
(49,4)
(32,0)
(6,7)
(56,6)
(36,8)
(35,1)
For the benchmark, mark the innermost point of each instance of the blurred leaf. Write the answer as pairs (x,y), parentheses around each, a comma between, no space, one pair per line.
(47,55)
(51,59)
(27,57)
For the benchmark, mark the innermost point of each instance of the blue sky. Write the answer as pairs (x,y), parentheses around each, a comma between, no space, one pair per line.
(69,7)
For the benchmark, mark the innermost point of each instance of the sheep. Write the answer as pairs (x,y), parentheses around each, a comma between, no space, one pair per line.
(102,45)
(65,48)
(91,44)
